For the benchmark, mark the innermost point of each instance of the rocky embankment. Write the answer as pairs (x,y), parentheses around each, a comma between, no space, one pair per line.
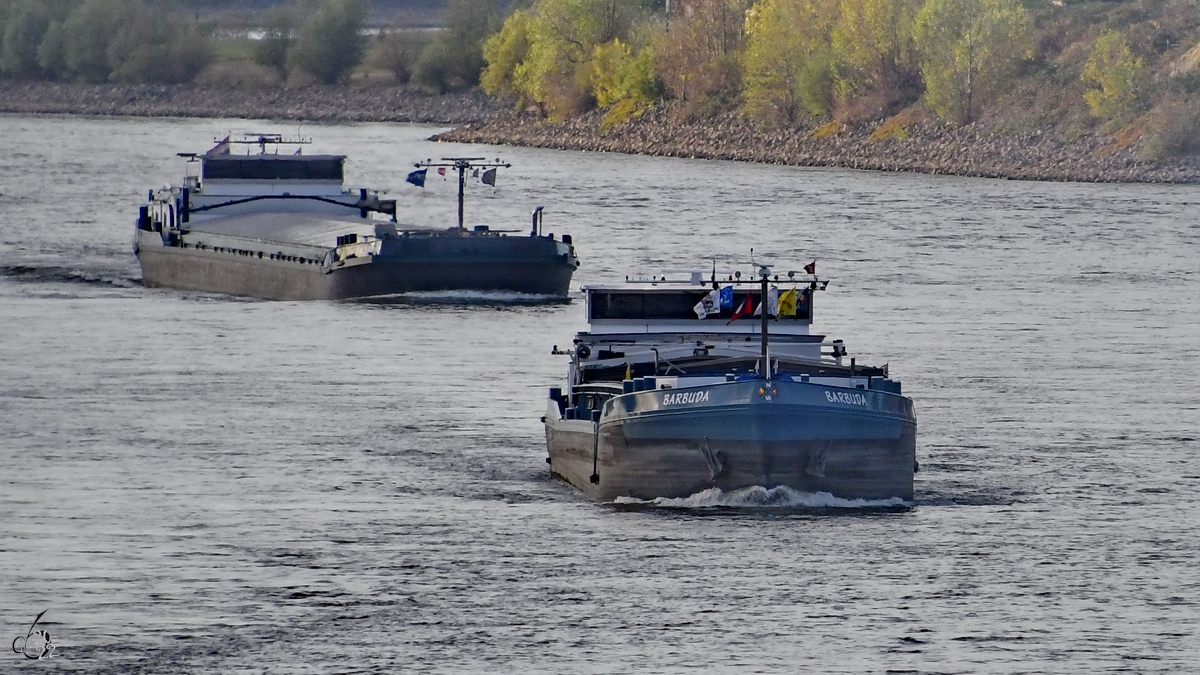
(920,147)
(928,148)
(323,104)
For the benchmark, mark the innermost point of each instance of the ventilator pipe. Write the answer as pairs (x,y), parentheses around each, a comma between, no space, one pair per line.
(536,225)
(594,479)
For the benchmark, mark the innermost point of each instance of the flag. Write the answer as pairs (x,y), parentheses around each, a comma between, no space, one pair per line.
(745,310)
(787,303)
(727,297)
(811,268)
(221,148)
(475,173)
(441,171)
(628,372)
(885,369)
(772,303)
(417,177)
(489,177)
(709,304)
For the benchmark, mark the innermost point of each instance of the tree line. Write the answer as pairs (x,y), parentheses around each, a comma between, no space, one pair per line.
(100,40)
(162,41)
(776,60)
(782,60)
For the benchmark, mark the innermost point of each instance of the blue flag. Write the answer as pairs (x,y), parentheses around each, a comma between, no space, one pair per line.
(727,297)
(417,177)
(489,177)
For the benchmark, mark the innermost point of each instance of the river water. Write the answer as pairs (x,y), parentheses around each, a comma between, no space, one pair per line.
(196,483)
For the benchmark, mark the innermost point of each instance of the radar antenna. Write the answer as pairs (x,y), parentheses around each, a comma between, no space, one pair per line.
(462,164)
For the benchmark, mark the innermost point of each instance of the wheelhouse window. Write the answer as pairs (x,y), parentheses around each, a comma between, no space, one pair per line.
(271,167)
(677,304)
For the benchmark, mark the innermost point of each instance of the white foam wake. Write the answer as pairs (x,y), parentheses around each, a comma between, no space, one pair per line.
(757,497)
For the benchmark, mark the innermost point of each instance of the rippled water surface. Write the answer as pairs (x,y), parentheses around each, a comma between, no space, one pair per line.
(196,483)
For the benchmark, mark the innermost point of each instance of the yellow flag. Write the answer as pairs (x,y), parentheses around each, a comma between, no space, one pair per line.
(628,373)
(787,303)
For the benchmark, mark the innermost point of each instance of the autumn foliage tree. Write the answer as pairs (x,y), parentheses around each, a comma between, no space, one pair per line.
(788,63)
(504,53)
(545,54)
(875,53)
(1116,78)
(969,49)
(698,55)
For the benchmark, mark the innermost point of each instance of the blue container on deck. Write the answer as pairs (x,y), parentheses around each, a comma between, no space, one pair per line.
(627,386)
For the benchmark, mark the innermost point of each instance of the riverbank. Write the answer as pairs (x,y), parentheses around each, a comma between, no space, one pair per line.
(917,146)
(313,104)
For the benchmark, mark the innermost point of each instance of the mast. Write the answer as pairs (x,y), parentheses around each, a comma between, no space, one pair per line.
(462,164)
(462,182)
(765,271)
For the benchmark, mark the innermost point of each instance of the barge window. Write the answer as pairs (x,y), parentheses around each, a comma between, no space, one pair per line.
(677,305)
(258,167)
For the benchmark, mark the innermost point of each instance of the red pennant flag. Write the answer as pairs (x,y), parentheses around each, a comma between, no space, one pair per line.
(442,172)
(746,309)
(811,268)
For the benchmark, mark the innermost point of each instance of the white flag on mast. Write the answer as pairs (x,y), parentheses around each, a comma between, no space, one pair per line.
(709,304)
(772,303)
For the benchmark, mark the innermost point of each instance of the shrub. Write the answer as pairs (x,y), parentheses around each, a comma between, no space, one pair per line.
(621,75)
(51,52)
(89,31)
(434,69)
(1117,76)
(280,25)
(330,45)
(159,45)
(1173,130)
(398,52)
(23,32)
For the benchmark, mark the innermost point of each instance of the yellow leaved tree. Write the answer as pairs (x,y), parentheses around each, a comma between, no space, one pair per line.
(969,49)
(787,64)
(1117,78)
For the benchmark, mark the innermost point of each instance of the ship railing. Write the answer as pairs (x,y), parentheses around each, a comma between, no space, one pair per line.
(211,239)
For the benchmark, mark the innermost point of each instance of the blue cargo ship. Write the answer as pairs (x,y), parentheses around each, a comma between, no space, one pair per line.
(684,385)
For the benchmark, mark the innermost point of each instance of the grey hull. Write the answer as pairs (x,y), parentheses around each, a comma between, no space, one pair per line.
(250,269)
(732,438)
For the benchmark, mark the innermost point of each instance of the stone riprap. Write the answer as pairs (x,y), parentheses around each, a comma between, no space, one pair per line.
(928,148)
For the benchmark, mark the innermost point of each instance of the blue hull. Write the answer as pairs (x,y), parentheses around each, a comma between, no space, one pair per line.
(853,443)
